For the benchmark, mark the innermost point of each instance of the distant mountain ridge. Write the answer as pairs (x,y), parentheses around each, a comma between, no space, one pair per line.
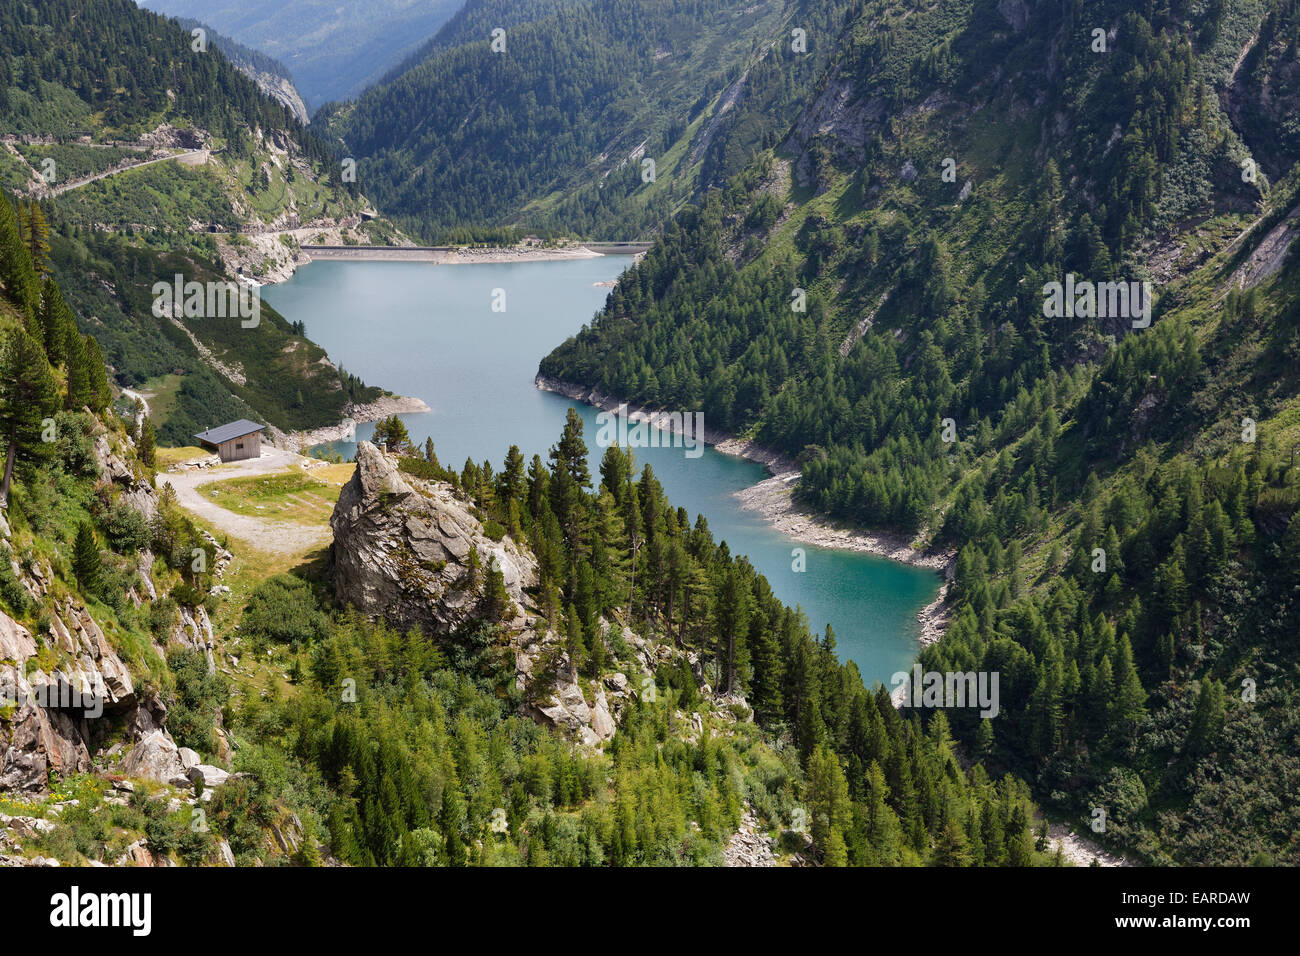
(334,50)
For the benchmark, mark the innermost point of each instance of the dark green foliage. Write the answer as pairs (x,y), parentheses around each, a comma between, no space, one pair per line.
(283,610)
(86,562)
(125,529)
(28,396)
(152,65)
(461,138)
(390,434)
(1107,673)
(148,443)
(196,702)
(11,589)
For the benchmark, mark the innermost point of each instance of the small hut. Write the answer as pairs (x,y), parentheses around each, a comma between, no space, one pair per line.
(234,441)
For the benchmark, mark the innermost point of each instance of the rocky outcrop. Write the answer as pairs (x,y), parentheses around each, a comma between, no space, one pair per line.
(193,629)
(95,670)
(155,757)
(402,545)
(565,705)
(52,706)
(137,492)
(840,121)
(401,551)
(279,88)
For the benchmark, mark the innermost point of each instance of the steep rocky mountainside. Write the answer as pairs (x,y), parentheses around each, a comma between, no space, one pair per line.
(271,76)
(81,698)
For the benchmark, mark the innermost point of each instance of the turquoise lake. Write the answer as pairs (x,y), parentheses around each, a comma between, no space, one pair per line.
(430,331)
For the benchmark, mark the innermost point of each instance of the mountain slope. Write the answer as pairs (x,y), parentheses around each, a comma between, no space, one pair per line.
(166,701)
(1116,537)
(271,76)
(163,159)
(555,133)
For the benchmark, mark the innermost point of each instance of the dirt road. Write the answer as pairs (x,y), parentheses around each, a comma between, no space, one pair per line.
(263,534)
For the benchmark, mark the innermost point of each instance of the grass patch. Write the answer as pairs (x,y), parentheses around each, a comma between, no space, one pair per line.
(161,393)
(291,496)
(166,457)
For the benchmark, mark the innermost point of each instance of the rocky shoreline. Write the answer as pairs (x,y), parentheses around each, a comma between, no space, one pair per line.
(354,415)
(773,499)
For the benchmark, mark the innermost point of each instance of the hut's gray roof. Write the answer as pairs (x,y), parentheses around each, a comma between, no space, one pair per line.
(215,436)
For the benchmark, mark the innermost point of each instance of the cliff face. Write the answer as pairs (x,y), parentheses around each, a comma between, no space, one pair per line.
(280,88)
(67,699)
(58,712)
(402,545)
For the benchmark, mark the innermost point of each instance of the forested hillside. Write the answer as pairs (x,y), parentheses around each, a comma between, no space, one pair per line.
(873,297)
(427,758)
(551,128)
(99,88)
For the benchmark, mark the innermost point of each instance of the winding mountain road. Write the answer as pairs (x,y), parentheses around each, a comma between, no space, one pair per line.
(194,157)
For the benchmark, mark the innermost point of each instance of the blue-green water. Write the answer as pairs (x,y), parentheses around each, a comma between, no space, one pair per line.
(431,332)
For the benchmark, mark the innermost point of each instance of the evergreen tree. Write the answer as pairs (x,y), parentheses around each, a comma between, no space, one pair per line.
(391,435)
(86,562)
(17,273)
(36,236)
(80,392)
(148,452)
(28,396)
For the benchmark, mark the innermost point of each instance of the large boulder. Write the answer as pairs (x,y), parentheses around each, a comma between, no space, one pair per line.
(155,757)
(401,549)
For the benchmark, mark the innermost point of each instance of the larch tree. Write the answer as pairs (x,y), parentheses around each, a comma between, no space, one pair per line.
(28,396)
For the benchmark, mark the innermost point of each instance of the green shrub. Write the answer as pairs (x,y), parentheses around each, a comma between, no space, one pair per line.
(125,529)
(161,617)
(195,702)
(283,610)
(11,589)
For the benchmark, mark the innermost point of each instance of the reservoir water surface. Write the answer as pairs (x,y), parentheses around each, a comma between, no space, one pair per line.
(430,331)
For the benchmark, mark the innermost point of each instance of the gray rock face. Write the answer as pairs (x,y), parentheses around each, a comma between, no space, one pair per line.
(55,714)
(155,757)
(279,88)
(401,549)
(1015,13)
